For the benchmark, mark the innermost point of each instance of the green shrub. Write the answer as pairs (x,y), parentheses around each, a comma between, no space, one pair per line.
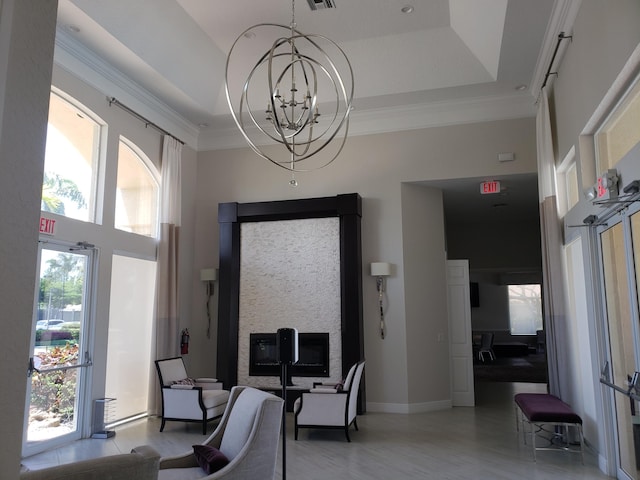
(55,392)
(57,337)
(74,330)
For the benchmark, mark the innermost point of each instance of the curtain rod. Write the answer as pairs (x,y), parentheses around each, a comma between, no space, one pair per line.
(147,123)
(561,37)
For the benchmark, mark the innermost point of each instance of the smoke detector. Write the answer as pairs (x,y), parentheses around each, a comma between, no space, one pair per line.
(321,4)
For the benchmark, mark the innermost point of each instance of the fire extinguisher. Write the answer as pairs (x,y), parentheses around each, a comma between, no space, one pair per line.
(184,342)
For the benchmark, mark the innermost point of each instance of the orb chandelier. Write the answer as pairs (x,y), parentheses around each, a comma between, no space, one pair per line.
(297,95)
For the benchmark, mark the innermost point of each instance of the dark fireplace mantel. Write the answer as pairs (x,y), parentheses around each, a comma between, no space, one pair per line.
(348,208)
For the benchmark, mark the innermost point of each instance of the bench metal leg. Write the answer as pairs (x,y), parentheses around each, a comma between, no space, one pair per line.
(581,443)
(521,424)
(533,442)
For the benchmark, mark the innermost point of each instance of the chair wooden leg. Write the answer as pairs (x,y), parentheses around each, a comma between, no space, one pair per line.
(346,432)
(296,432)
(162,424)
(355,423)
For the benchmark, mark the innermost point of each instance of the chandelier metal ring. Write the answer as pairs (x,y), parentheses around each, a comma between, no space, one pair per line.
(301,79)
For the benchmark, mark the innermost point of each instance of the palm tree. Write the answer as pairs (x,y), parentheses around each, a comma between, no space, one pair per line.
(55,189)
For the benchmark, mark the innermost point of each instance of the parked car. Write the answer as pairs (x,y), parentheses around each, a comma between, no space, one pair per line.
(46,324)
(65,325)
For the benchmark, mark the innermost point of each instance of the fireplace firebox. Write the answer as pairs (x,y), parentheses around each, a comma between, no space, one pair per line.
(313,356)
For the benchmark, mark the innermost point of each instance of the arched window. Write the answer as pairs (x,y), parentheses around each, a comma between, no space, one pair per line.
(71,160)
(136,192)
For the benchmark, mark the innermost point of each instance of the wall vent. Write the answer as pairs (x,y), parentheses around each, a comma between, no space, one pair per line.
(321,4)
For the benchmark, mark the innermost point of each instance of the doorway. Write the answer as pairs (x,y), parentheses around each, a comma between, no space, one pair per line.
(60,358)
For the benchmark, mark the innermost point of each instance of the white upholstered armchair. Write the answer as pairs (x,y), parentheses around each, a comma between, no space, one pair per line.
(185,399)
(246,439)
(327,407)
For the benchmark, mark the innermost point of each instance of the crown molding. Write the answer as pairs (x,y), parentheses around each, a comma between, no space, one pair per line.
(440,114)
(396,119)
(81,62)
(86,65)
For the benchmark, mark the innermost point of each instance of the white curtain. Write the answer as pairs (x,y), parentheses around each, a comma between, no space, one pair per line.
(555,320)
(167,299)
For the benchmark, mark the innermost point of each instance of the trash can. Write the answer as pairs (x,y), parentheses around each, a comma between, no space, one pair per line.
(103,409)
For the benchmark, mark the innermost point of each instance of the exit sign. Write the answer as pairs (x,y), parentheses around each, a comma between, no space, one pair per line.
(47,226)
(490,187)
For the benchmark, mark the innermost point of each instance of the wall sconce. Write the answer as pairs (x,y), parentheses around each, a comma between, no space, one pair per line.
(209,275)
(381,270)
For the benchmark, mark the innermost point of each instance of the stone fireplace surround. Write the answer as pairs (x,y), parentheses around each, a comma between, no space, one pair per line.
(290,278)
(347,209)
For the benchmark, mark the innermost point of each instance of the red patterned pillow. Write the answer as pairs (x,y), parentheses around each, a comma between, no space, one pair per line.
(209,458)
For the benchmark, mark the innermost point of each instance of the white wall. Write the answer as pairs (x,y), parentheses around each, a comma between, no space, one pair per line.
(374,166)
(27,29)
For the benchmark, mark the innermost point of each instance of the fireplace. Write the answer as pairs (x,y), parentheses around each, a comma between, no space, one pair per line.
(313,356)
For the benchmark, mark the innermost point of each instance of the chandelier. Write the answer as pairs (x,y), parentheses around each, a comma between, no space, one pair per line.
(293,96)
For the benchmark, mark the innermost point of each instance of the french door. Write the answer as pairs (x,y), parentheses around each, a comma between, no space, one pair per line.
(620,256)
(60,358)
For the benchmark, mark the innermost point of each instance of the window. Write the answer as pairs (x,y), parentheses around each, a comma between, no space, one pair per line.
(71,161)
(137,192)
(568,191)
(130,328)
(571,184)
(620,133)
(525,309)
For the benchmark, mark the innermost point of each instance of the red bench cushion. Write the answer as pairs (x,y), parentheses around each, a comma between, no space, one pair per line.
(544,407)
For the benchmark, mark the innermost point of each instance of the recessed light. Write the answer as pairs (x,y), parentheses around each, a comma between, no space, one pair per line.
(521,88)
(250,35)
(203,125)
(407,9)
(74,29)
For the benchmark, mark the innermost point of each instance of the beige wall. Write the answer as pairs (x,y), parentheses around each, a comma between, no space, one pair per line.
(27,29)
(374,166)
(605,35)
(425,292)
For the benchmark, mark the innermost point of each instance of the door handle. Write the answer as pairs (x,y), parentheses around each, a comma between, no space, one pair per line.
(31,368)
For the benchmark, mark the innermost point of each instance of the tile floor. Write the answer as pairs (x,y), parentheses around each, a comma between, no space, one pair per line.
(459,443)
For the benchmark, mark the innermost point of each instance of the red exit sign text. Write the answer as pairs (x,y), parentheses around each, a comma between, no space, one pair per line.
(47,226)
(490,187)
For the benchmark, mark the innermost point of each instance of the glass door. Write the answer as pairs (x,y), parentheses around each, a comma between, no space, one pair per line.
(59,353)
(620,273)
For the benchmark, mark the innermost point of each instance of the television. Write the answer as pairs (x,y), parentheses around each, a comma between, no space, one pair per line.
(474,291)
(313,356)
